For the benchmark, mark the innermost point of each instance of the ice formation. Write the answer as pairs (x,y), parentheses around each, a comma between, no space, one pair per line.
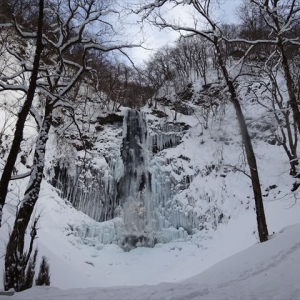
(130,186)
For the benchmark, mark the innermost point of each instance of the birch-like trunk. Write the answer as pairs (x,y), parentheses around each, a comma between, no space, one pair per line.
(22,115)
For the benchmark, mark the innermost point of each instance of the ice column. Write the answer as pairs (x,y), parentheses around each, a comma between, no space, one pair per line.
(135,186)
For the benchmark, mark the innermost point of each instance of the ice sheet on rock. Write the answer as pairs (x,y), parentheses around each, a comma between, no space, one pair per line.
(145,191)
(107,232)
(91,184)
(130,181)
(164,136)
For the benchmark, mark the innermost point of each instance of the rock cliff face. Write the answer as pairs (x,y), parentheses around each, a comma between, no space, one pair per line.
(89,179)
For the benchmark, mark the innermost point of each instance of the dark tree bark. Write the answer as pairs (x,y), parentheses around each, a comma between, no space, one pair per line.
(65,75)
(18,135)
(277,20)
(15,247)
(212,35)
(259,205)
(290,84)
(285,63)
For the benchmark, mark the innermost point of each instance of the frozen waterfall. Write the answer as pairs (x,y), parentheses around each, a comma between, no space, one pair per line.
(131,185)
(134,188)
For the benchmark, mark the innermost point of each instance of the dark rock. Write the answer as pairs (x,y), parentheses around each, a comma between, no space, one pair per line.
(132,241)
(110,119)
(184,126)
(186,95)
(184,157)
(158,113)
(183,108)
(99,127)
(57,121)
(272,141)
(164,101)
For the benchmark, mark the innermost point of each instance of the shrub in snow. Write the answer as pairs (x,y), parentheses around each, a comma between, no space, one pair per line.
(44,273)
(30,272)
(26,271)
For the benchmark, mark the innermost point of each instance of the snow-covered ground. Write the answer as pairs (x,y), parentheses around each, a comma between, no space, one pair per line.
(75,264)
(263,271)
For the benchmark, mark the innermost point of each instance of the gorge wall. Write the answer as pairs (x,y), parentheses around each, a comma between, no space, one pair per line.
(127,184)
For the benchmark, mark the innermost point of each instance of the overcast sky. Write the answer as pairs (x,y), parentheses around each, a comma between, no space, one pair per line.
(155,38)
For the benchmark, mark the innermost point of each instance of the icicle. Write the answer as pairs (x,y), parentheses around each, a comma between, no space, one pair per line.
(132,187)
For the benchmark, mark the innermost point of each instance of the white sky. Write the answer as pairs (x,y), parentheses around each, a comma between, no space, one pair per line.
(155,38)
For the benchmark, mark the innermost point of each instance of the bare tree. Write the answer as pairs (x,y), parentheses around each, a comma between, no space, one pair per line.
(214,35)
(275,27)
(70,42)
(159,72)
(272,95)
(200,53)
(282,20)
(30,93)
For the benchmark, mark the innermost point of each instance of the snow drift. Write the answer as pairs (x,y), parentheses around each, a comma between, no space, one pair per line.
(263,271)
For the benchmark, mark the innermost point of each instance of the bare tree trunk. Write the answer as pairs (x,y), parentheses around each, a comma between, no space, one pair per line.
(18,136)
(15,246)
(259,205)
(260,213)
(277,17)
(202,7)
(290,85)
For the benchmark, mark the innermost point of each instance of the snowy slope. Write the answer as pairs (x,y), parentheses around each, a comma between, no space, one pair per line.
(79,248)
(81,263)
(263,271)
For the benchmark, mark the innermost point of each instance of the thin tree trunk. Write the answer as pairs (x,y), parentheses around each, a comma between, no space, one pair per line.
(15,247)
(259,205)
(260,213)
(285,64)
(290,85)
(18,135)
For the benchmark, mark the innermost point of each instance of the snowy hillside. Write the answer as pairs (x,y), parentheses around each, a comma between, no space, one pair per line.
(263,271)
(151,181)
(216,202)
(166,173)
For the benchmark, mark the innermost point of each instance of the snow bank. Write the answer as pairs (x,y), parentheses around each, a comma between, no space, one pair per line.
(263,271)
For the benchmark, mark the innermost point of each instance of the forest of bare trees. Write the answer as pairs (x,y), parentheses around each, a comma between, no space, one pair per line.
(263,47)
